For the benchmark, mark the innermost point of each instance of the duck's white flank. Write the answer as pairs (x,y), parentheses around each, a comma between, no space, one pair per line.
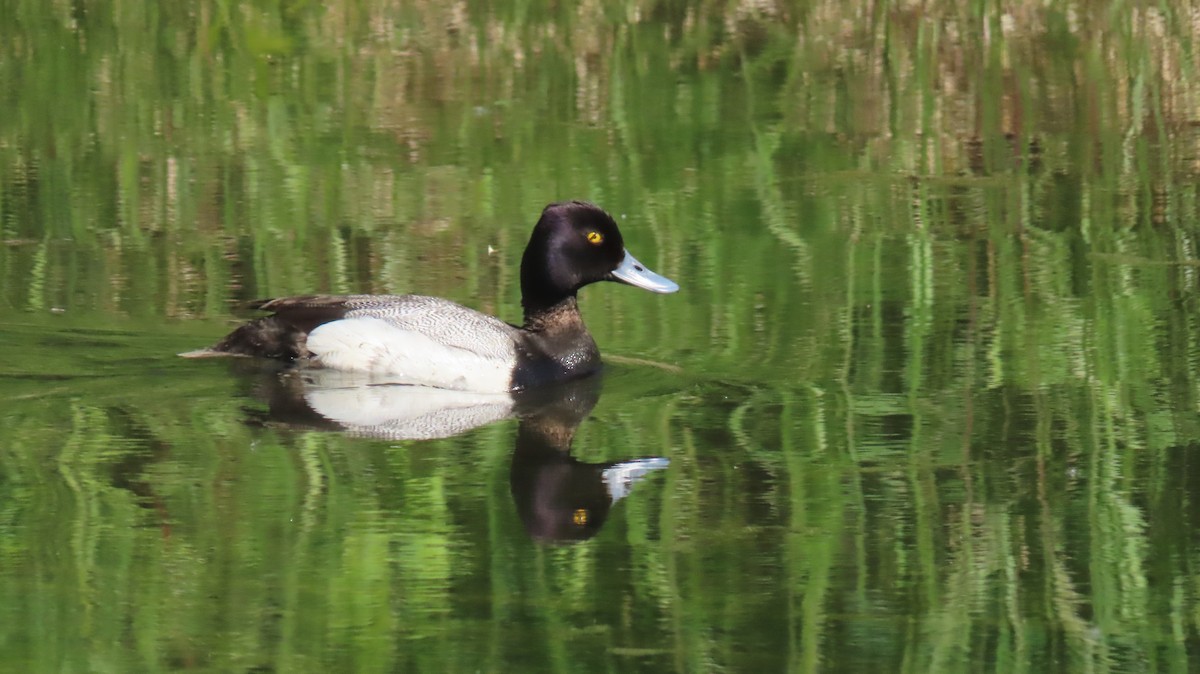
(379,345)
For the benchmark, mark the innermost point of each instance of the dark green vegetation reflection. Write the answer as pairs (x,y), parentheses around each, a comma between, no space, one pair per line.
(929,393)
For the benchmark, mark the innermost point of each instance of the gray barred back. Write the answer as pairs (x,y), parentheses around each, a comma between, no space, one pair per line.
(441,320)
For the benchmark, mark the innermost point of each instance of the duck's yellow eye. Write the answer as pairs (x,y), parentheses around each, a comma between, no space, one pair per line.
(595,238)
(580,517)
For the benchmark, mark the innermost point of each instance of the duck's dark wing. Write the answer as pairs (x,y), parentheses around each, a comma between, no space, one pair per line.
(305,312)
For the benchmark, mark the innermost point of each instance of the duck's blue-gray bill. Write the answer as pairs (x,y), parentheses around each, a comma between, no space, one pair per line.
(636,274)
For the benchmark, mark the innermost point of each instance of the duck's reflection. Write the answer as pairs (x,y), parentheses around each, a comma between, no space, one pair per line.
(557,497)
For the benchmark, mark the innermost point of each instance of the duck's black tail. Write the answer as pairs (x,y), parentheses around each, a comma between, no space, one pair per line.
(266,337)
(283,334)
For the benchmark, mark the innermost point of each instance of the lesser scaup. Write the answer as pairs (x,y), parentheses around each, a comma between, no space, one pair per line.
(414,339)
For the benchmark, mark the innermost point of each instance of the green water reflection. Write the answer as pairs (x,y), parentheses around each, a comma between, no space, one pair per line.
(929,392)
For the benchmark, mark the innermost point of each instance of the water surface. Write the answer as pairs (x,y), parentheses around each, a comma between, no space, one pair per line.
(926,400)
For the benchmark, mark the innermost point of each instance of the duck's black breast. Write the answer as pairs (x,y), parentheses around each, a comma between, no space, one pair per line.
(554,346)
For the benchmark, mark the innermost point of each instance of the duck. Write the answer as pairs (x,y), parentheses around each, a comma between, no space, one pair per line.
(434,342)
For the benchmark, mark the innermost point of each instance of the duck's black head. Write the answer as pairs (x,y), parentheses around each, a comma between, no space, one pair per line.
(574,244)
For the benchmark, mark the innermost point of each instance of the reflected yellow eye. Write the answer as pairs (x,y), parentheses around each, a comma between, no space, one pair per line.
(595,238)
(580,517)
